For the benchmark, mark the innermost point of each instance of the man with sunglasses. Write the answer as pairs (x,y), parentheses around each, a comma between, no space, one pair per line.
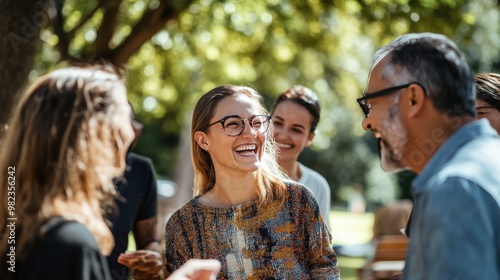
(419,104)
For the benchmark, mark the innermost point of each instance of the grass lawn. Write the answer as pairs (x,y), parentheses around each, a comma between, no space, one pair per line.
(347,228)
(131,242)
(350,228)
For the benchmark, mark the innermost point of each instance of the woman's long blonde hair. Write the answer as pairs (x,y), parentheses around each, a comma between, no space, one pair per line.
(64,145)
(270,176)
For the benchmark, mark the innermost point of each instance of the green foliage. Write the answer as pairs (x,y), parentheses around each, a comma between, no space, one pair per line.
(272,45)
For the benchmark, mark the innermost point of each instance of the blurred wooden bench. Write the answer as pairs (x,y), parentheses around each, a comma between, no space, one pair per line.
(388,258)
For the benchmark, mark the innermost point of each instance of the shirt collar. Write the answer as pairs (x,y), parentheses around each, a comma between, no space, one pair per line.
(449,148)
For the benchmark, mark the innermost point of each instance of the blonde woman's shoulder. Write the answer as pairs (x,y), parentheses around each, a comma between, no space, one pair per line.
(297,189)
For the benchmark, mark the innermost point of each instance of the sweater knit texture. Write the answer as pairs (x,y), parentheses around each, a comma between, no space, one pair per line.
(277,241)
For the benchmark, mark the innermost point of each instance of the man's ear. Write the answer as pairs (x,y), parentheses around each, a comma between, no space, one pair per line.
(416,99)
(202,139)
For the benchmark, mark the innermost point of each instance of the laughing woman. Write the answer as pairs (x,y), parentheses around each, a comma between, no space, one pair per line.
(245,212)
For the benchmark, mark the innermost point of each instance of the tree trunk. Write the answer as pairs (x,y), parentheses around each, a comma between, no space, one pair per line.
(20,27)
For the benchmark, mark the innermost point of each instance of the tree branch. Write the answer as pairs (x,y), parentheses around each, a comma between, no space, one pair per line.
(58,25)
(83,20)
(151,22)
(107,28)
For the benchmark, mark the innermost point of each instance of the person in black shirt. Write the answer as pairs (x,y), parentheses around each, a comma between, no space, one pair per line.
(137,207)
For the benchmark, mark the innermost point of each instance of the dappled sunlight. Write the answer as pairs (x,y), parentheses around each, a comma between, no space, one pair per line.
(173,54)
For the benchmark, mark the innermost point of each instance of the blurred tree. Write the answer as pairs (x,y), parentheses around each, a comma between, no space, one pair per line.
(177,50)
(65,25)
(19,36)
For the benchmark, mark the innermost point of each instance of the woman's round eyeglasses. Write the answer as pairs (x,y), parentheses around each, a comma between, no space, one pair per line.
(234,125)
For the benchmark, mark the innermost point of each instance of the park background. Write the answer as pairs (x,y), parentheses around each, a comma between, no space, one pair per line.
(179,49)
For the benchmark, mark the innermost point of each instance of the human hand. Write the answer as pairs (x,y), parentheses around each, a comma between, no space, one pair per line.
(145,264)
(196,270)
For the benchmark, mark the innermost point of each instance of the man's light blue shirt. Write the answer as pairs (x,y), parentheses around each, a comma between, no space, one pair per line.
(454,229)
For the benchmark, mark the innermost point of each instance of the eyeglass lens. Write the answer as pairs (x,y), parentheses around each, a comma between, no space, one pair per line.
(365,106)
(234,126)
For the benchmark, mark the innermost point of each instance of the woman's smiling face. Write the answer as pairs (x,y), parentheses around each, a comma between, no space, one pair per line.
(239,153)
(487,111)
(292,129)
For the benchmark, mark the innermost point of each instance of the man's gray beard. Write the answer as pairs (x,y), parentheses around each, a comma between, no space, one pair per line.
(393,141)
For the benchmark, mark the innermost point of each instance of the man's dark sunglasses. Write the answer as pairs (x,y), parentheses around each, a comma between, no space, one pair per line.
(363,101)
